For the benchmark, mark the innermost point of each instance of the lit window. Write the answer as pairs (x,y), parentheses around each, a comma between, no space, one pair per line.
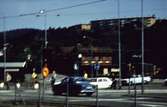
(100,62)
(85,62)
(107,62)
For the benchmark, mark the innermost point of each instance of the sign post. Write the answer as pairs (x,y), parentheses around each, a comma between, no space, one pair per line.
(97,68)
(45,73)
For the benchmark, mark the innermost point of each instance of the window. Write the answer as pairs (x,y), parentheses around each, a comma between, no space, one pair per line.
(100,80)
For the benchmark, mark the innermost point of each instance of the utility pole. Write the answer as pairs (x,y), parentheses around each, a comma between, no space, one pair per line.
(142,34)
(45,47)
(4,46)
(119,42)
(45,24)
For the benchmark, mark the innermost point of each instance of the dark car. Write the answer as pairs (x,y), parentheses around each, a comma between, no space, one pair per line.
(73,86)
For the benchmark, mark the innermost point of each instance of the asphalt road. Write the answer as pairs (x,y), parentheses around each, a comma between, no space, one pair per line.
(155,95)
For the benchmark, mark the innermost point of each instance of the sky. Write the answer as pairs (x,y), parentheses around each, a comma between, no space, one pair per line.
(105,9)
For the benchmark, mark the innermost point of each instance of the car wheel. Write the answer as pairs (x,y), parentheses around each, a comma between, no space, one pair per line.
(73,93)
(165,83)
(89,94)
(57,92)
(145,82)
(131,83)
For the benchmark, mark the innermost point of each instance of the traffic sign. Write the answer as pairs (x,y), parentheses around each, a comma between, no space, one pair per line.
(45,72)
(9,77)
(34,75)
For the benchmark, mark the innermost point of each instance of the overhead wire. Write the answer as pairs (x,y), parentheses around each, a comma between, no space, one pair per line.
(53,10)
(69,7)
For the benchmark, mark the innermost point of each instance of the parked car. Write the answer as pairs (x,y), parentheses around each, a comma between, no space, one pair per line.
(101,82)
(136,80)
(73,86)
(165,82)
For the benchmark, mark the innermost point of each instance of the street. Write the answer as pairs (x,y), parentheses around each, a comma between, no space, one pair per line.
(154,96)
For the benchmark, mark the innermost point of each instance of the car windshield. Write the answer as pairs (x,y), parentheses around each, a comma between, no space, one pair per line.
(75,80)
(80,80)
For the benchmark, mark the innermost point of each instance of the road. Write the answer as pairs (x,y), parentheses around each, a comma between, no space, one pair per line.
(155,96)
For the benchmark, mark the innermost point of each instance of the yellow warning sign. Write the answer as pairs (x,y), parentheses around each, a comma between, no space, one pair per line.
(45,71)
(34,75)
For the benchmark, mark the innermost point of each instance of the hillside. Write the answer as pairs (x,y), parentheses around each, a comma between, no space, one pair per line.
(22,42)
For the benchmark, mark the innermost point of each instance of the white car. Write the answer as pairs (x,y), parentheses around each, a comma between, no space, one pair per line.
(101,82)
(136,80)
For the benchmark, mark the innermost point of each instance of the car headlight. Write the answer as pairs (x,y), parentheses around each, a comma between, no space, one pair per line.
(18,85)
(36,86)
(2,85)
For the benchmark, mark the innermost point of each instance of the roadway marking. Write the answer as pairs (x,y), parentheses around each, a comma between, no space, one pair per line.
(138,91)
(151,105)
(94,99)
(5,91)
(123,100)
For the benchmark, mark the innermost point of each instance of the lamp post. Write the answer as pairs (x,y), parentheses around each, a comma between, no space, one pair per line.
(4,46)
(45,45)
(130,70)
(80,63)
(91,52)
(119,42)
(77,65)
(38,88)
(97,67)
(142,34)
(45,24)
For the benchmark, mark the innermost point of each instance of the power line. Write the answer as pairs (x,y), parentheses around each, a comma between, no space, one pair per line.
(53,10)
(78,5)
(73,6)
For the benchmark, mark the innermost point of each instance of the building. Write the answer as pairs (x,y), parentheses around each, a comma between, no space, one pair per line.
(111,24)
(90,60)
(15,69)
(81,27)
(96,59)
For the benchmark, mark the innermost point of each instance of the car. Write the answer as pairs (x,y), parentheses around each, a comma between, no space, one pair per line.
(73,86)
(136,79)
(101,82)
(165,82)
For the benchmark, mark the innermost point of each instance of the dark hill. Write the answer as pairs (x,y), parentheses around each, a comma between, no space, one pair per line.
(31,41)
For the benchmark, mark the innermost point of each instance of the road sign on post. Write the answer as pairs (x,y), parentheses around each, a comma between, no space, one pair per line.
(9,77)
(45,71)
(34,75)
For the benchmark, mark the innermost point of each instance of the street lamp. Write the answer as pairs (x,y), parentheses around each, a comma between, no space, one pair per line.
(44,12)
(45,24)
(77,65)
(79,56)
(80,63)
(91,53)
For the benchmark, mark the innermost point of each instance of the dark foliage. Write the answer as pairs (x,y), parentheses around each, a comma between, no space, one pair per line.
(31,41)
